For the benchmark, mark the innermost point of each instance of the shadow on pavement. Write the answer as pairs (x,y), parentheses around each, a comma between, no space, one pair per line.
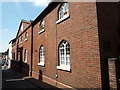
(42,84)
(16,80)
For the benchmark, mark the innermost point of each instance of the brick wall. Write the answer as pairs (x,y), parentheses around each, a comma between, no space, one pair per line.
(112,73)
(91,31)
(81,31)
(25,45)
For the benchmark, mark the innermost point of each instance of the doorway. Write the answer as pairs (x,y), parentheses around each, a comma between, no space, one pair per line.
(21,58)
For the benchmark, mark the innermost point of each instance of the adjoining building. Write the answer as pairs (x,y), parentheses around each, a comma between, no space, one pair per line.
(71,45)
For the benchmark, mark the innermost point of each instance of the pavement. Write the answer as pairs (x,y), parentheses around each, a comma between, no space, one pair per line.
(11,80)
(16,80)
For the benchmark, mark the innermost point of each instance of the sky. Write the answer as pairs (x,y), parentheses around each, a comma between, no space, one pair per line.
(11,14)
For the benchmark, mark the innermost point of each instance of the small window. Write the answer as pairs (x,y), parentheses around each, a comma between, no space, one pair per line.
(25,56)
(106,46)
(26,36)
(42,56)
(41,26)
(63,11)
(64,56)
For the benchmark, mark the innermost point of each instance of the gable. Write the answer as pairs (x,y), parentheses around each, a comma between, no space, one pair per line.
(23,25)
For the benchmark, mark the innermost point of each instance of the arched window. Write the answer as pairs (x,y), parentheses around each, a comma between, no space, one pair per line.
(41,27)
(64,55)
(42,57)
(26,36)
(63,11)
(42,23)
(25,56)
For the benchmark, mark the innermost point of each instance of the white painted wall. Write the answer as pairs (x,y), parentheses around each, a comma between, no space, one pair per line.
(10,50)
(9,55)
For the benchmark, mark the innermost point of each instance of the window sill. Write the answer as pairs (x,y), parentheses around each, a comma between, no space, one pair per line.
(41,64)
(66,68)
(41,31)
(25,39)
(62,19)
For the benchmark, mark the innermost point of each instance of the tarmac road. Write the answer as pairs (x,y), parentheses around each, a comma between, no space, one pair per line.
(11,80)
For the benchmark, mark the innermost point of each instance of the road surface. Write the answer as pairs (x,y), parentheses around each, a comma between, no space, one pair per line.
(10,79)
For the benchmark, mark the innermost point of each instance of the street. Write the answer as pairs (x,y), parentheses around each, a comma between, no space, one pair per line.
(10,79)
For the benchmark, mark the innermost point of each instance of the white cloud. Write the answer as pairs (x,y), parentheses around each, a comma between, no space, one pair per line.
(40,3)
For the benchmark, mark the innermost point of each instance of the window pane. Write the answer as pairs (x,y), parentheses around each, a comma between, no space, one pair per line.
(64,51)
(42,54)
(61,12)
(67,49)
(66,7)
(68,60)
(43,23)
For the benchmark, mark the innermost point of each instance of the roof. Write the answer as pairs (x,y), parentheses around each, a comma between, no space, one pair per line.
(13,40)
(51,6)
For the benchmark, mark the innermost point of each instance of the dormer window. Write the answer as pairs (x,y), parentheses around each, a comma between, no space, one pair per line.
(63,12)
(41,26)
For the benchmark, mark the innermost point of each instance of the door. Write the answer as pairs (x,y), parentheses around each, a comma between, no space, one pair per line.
(21,60)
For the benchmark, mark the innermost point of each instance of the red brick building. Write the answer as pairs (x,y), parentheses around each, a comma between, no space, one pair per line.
(68,45)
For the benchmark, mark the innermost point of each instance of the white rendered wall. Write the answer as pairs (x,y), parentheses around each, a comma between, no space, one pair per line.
(10,51)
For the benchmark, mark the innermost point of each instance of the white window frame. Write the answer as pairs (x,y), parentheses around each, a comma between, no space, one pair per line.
(25,56)
(26,36)
(63,12)
(42,24)
(41,56)
(63,63)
